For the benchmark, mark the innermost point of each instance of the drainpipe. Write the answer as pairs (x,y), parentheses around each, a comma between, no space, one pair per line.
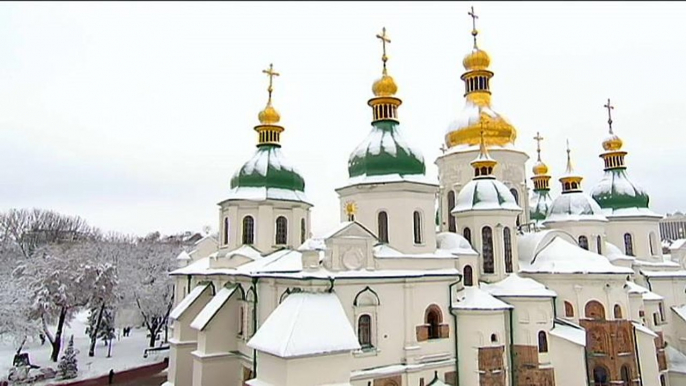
(331,284)
(452,312)
(512,369)
(638,357)
(254,326)
(188,287)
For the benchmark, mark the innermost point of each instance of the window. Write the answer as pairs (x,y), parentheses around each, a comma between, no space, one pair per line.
(467,273)
(661,308)
(663,382)
(583,242)
(417,218)
(281,231)
(467,234)
(599,245)
(515,194)
(248,230)
(542,342)
(618,311)
(303,231)
(433,319)
(487,249)
(569,310)
(226,230)
(494,338)
(451,219)
(364,331)
(600,377)
(594,310)
(628,245)
(626,375)
(652,241)
(383,227)
(241,315)
(507,239)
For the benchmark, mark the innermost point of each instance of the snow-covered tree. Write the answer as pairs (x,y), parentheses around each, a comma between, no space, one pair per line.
(68,368)
(103,330)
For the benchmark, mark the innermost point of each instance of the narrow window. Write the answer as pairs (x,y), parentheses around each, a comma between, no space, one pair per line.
(583,242)
(515,194)
(618,311)
(451,206)
(364,331)
(599,244)
(434,318)
(226,230)
(467,234)
(566,185)
(281,231)
(383,227)
(240,320)
(663,382)
(542,342)
(574,185)
(626,375)
(628,245)
(467,276)
(303,231)
(487,249)
(507,241)
(248,230)
(569,310)
(494,338)
(600,377)
(417,227)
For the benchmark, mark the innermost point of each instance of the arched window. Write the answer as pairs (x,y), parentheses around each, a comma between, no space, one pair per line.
(433,318)
(626,375)
(240,320)
(281,231)
(574,185)
(467,234)
(599,244)
(515,194)
(594,310)
(248,230)
(226,230)
(652,240)
(467,274)
(487,249)
(303,231)
(628,245)
(417,223)
(663,382)
(494,338)
(364,331)
(569,310)
(383,226)
(583,242)
(618,311)
(567,186)
(600,377)
(507,240)
(542,342)
(451,218)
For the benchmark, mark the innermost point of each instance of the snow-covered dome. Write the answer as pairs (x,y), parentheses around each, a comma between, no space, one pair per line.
(485,194)
(539,204)
(574,206)
(616,191)
(450,241)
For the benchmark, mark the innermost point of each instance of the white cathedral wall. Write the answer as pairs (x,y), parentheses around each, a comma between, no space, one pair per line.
(672,289)
(642,231)
(590,229)
(476,329)
(568,360)
(531,315)
(399,200)
(327,369)
(650,372)
(455,171)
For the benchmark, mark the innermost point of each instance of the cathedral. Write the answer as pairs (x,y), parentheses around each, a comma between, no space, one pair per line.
(481,277)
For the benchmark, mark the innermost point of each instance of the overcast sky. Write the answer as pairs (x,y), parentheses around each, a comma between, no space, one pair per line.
(136,115)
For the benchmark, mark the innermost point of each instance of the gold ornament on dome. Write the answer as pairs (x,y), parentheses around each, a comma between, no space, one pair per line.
(613,142)
(497,132)
(539,167)
(269,115)
(350,210)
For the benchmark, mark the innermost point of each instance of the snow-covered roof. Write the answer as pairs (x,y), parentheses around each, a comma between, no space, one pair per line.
(183,256)
(539,204)
(306,324)
(473,298)
(364,179)
(569,333)
(454,243)
(470,115)
(561,256)
(663,274)
(385,251)
(244,250)
(574,206)
(677,244)
(676,360)
(203,319)
(387,140)
(516,286)
(531,243)
(664,263)
(612,252)
(644,329)
(646,294)
(629,212)
(186,302)
(261,193)
(284,260)
(681,311)
(485,194)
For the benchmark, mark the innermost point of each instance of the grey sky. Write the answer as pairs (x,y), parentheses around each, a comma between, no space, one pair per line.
(135,115)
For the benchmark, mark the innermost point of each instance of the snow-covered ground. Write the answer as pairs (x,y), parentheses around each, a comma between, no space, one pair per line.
(127,352)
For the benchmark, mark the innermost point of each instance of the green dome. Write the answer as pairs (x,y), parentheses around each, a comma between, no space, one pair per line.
(268,168)
(385,152)
(616,191)
(539,204)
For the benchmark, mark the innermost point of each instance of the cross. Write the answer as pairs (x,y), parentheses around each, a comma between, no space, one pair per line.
(384,39)
(609,108)
(538,139)
(271,73)
(443,149)
(474,17)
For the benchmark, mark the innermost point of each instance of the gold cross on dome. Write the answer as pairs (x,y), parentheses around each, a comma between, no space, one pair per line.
(271,73)
(384,39)
(538,139)
(609,108)
(474,17)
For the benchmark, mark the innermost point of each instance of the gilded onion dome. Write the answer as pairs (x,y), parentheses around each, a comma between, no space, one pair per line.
(616,192)
(268,174)
(384,153)
(477,112)
(540,200)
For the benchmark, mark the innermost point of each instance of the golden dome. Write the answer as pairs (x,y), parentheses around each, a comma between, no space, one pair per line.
(384,86)
(476,60)
(540,168)
(613,142)
(269,115)
(497,130)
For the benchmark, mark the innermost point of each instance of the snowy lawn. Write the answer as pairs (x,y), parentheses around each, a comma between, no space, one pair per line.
(127,352)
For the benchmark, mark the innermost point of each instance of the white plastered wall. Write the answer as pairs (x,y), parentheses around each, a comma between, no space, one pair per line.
(642,231)
(568,360)
(481,325)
